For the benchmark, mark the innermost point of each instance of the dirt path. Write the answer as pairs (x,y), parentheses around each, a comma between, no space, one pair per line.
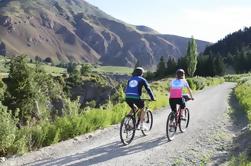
(207,141)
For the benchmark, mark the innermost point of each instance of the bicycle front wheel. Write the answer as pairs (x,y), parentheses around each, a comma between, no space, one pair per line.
(127,129)
(148,122)
(171,126)
(184,120)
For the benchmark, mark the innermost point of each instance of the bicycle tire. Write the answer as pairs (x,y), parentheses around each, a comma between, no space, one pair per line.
(184,122)
(148,122)
(171,130)
(128,128)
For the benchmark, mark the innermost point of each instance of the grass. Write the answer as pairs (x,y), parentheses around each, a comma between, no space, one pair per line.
(4,69)
(114,69)
(50,69)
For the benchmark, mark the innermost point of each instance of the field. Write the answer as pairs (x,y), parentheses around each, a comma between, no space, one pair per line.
(58,70)
(51,69)
(114,69)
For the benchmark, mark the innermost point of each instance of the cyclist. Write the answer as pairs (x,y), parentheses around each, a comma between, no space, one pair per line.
(133,93)
(176,89)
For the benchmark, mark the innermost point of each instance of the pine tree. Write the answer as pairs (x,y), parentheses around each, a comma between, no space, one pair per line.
(171,66)
(161,68)
(191,57)
(21,90)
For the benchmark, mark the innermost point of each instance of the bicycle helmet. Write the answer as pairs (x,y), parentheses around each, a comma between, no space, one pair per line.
(138,71)
(180,73)
(141,69)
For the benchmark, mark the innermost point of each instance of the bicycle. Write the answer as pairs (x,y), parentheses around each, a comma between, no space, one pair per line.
(130,123)
(175,119)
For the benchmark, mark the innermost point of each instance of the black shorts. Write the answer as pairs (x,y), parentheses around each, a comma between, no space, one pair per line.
(174,101)
(139,103)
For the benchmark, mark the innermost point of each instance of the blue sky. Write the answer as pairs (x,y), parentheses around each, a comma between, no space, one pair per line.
(209,20)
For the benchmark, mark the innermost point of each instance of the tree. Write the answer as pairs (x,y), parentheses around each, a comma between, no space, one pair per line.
(21,92)
(71,67)
(48,60)
(161,68)
(171,66)
(38,59)
(219,66)
(191,57)
(85,69)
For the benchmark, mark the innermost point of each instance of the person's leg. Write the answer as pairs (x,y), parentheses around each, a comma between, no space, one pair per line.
(182,107)
(141,105)
(142,115)
(130,102)
(173,103)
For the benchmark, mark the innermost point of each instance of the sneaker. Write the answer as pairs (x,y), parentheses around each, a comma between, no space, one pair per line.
(142,127)
(172,127)
(183,117)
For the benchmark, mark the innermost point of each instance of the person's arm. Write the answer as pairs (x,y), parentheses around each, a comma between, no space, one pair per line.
(148,89)
(189,90)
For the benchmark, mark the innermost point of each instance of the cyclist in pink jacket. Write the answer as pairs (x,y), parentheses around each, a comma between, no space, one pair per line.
(176,89)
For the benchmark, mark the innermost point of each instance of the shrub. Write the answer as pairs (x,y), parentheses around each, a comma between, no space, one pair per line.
(7,130)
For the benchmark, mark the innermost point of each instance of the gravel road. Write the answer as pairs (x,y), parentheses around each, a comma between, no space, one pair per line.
(207,140)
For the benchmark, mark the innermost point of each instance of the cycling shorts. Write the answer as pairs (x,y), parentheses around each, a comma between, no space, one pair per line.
(139,103)
(174,101)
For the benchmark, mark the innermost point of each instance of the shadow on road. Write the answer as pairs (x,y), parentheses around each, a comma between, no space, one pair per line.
(102,153)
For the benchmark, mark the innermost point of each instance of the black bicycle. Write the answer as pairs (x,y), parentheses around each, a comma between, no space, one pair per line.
(177,119)
(130,123)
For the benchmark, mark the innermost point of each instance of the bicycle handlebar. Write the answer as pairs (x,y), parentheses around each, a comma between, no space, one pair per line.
(187,98)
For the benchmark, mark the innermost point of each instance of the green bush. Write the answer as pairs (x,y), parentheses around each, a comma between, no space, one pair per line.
(2,89)
(236,77)
(240,160)
(21,143)
(243,94)
(7,130)
(199,83)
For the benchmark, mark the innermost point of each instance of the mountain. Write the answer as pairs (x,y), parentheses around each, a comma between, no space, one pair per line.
(231,43)
(74,30)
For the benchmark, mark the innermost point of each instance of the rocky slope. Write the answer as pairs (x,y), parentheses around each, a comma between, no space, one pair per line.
(74,30)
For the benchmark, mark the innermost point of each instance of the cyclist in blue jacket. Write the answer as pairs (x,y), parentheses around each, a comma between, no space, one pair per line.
(134,90)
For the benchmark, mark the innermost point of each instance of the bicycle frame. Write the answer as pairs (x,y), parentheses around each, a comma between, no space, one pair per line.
(175,120)
(137,114)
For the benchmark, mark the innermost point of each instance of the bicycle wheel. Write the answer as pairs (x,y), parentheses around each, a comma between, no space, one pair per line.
(148,122)
(184,121)
(127,129)
(171,126)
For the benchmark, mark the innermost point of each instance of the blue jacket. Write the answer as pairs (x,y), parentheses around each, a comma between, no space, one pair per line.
(134,87)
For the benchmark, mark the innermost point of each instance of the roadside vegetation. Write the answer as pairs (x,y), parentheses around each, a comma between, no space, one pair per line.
(243,94)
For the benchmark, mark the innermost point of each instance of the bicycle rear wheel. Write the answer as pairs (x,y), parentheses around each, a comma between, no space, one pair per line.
(127,129)
(148,122)
(171,126)
(184,121)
